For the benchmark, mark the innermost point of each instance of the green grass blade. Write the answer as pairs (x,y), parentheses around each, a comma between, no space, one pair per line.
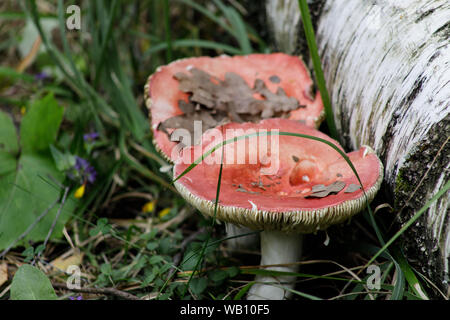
(243,291)
(104,45)
(205,244)
(209,15)
(410,277)
(13,75)
(399,286)
(312,45)
(412,220)
(240,31)
(167,31)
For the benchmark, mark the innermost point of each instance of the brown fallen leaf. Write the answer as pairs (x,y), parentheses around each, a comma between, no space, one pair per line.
(318,188)
(3,273)
(352,188)
(321,191)
(215,102)
(62,263)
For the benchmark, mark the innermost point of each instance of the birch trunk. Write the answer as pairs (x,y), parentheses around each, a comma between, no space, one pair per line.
(387,66)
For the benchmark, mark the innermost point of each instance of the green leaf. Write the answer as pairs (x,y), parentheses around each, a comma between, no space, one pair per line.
(28,180)
(232,271)
(166,245)
(106,268)
(152,245)
(198,285)
(63,161)
(190,259)
(29,283)
(218,275)
(28,253)
(155,259)
(27,193)
(102,226)
(8,135)
(13,75)
(8,144)
(148,279)
(40,124)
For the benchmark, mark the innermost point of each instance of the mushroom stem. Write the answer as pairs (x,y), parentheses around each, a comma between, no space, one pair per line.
(277,248)
(237,242)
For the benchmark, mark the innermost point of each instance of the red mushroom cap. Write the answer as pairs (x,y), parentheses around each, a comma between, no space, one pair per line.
(162,91)
(297,197)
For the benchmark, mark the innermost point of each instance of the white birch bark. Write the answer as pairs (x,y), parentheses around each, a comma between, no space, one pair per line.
(387,66)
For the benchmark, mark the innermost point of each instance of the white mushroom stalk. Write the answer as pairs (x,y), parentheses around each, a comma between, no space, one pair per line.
(277,248)
(241,238)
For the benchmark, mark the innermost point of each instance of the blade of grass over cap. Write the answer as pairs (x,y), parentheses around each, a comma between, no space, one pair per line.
(312,45)
(298,135)
(205,244)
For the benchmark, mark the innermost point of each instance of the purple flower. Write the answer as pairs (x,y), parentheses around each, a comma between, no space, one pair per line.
(88,137)
(76,298)
(84,170)
(40,76)
(81,164)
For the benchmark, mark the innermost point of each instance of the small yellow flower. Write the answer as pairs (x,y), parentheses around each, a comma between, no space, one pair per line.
(164,212)
(79,193)
(148,207)
(23,110)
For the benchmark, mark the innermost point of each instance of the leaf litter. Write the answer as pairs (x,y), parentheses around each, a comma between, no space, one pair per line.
(215,102)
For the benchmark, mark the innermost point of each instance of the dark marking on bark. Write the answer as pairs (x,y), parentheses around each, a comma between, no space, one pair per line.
(433,57)
(396,117)
(424,15)
(418,84)
(387,137)
(345,123)
(443,31)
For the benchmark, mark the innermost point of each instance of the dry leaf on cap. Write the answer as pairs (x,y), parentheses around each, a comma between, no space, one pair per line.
(321,191)
(352,188)
(215,102)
